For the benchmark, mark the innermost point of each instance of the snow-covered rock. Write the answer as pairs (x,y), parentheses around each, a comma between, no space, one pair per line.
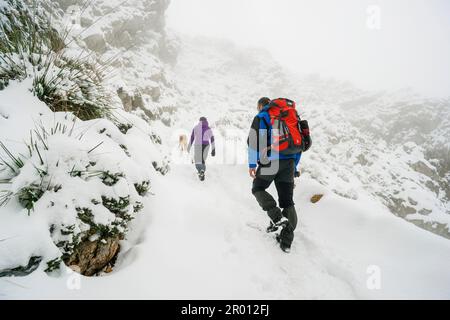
(63,200)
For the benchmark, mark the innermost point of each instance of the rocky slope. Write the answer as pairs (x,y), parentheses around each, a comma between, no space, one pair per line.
(130,38)
(390,145)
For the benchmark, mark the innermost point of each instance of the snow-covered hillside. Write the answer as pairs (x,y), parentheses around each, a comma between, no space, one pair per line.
(377,162)
(393,146)
(202,241)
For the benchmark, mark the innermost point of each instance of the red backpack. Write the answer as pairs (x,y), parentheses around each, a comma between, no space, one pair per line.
(286,127)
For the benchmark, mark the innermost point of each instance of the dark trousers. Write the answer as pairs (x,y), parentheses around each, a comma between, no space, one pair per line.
(200,156)
(282,173)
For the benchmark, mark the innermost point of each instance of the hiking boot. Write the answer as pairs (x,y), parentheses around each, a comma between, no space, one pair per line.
(283,246)
(201,175)
(271,228)
(286,248)
(274,227)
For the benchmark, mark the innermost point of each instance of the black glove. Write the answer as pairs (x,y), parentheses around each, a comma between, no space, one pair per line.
(304,126)
(213,153)
(307,143)
(297,174)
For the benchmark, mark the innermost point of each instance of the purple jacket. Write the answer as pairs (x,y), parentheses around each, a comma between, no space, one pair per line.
(202,135)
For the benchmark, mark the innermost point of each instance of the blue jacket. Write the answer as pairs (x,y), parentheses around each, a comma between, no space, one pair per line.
(261,125)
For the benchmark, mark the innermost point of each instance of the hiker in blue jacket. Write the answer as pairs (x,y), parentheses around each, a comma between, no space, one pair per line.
(267,166)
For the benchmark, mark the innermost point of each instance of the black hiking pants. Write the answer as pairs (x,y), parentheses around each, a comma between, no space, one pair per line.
(282,173)
(200,156)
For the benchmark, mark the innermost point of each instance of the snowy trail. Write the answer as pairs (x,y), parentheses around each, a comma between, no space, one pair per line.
(203,235)
(199,245)
(196,243)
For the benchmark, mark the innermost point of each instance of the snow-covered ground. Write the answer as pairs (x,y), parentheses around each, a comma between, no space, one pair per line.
(377,143)
(206,240)
(201,242)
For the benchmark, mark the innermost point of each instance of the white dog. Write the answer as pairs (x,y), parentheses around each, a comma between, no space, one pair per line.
(183,143)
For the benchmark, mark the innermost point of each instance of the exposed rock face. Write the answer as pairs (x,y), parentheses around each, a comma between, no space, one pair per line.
(96,43)
(131,102)
(137,102)
(412,136)
(422,168)
(131,36)
(92,257)
(127,100)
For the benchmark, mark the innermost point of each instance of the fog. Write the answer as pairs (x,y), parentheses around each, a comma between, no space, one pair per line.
(374,44)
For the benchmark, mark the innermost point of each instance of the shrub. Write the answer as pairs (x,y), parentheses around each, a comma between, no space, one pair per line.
(124,127)
(155,139)
(142,188)
(161,168)
(31,48)
(138,206)
(117,206)
(56,169)
(5,196)
(29,195)
(53,265)
(125,149)
(14,163)
(103,231)
(25,24)
(109,178)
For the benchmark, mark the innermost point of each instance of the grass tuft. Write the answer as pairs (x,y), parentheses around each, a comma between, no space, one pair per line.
(31,48)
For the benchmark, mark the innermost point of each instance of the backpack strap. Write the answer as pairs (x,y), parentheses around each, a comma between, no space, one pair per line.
(268,125)
(269,132)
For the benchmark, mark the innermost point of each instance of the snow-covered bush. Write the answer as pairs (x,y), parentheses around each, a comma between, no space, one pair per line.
(88,192)
(78,180)
(30,47)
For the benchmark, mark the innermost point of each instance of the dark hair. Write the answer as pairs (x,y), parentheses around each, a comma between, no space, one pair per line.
(203,119)
(263,101)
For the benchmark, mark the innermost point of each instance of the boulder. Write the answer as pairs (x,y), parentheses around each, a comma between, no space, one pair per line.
(126,99)
(96,42)
(316,198)
(91,257)
(424,169)
(119,38)
(86,22)
(131,102)
(155,93)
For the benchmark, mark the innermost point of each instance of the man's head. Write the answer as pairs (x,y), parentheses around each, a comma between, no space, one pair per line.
(263,102)
(203,119)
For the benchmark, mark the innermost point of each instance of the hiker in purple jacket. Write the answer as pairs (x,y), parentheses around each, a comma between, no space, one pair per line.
(202,138)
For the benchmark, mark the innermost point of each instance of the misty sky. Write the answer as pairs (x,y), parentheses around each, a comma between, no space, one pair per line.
(409,45)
